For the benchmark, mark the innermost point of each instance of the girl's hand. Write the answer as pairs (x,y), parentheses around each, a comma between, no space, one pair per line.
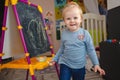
(99,69)
(51,63)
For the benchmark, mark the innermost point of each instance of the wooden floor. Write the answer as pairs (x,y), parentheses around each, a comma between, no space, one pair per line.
(46,74)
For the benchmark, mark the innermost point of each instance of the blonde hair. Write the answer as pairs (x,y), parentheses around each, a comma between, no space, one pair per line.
(71,5)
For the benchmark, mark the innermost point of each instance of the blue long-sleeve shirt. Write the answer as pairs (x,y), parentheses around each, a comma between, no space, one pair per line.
(74,48)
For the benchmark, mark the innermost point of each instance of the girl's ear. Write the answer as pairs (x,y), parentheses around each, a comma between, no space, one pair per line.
(82,17)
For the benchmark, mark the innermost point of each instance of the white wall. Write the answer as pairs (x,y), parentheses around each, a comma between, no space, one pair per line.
(12,42)
(113,3)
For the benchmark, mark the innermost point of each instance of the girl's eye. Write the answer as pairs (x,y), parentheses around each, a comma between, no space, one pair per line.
(75,17)
(68,18)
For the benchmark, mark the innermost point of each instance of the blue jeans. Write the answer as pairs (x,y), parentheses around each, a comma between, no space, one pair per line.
(66,73)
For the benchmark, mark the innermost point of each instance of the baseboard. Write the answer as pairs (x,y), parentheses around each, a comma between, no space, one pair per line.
(7,60)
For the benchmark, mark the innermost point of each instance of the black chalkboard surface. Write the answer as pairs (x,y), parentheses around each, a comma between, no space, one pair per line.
(2,2)
(33,29)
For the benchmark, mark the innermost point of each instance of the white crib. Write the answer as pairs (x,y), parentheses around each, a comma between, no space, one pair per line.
(95,24)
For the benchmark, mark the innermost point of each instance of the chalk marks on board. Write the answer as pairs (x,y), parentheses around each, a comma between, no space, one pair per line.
(33,29)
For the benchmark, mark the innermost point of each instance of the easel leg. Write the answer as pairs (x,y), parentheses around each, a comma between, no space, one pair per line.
(23,40)
(33,77)
(27,74)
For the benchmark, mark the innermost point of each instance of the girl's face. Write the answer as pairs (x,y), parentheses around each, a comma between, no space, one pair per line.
(72,19)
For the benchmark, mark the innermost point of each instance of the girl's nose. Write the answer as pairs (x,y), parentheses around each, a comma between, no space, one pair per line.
(71,20)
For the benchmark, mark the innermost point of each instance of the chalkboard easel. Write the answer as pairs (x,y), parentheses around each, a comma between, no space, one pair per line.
(34,36)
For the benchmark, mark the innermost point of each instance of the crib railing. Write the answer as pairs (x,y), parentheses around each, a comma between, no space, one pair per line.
(96,25)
